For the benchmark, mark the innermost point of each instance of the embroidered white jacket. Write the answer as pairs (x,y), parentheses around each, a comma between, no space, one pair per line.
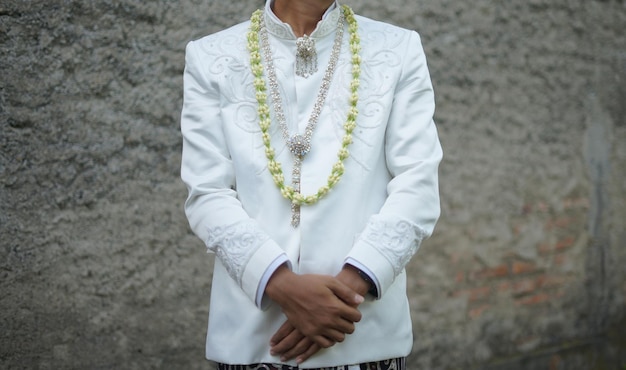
(385,205)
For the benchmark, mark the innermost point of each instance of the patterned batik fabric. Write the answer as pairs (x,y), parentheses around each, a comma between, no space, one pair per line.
(391,364)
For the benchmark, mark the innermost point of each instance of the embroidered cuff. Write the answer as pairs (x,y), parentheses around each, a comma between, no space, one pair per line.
(235,244)
(245,251)
(395,240)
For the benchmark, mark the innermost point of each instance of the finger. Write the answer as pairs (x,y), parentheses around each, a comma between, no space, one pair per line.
(344,326)
(346,294)
(284,330)
(313,349)
(322,341)
(336,324)
(299,349)
(287,343)
(351,314)
(349,297)
(335,336)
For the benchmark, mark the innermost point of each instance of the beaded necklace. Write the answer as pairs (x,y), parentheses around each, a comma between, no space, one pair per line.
(299,145)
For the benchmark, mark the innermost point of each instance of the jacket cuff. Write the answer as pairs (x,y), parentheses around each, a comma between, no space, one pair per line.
(385,247)
(367,255)
(262,301)
(361,267)
(258,264)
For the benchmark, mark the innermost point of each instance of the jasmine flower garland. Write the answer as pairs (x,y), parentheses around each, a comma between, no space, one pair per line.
(275,168)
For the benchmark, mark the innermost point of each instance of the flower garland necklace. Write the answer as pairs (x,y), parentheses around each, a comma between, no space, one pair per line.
(300,145)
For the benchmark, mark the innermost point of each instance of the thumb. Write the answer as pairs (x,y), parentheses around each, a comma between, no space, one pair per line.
(346,294)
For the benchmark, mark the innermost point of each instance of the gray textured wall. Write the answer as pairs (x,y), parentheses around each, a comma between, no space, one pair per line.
(98,269)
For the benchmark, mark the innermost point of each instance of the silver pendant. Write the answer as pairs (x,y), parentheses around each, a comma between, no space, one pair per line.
(306,56)
(299,145)
(295,182)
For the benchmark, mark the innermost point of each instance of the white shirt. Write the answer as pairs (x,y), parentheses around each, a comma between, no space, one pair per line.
(376,217)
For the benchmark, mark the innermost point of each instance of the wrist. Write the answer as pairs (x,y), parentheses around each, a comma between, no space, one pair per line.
(278,281)
(371,285)
(350,276)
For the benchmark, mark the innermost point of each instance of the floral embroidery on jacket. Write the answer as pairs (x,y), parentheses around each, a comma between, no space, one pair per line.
(397,240)
(235,244)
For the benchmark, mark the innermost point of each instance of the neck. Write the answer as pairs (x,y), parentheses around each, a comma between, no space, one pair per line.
(301,15)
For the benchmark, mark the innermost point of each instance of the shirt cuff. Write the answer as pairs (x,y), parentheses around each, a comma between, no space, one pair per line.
(261,301)
(351,261)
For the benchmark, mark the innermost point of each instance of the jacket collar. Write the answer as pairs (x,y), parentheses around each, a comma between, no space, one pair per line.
(283,30)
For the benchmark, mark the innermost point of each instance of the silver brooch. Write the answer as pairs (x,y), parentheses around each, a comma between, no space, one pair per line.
(306,56)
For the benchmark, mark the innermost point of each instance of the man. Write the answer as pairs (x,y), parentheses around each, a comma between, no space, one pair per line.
(310,155)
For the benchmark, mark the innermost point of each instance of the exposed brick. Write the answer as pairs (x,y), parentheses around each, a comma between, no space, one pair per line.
(421,282)
(474,294)
(533,299)
(457,257)
(460,277)
(560,259)
(528,343)
(522,267)
(545,248)
(529,286)
(504,286)
(546,281)
(542,207)
(558,223)
(524,287)
(493,272)
(555,362)
(476,312)
(564,243)
(576,203)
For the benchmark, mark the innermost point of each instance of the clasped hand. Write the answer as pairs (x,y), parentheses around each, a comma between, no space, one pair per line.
(320,311)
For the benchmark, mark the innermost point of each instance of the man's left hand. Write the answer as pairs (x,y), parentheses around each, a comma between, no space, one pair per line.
(289,343)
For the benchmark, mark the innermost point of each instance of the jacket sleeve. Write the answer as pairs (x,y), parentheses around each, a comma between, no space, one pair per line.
(214,212)
(413,153)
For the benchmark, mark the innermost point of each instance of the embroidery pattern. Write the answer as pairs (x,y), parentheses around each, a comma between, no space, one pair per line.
(235,244)
(397,241)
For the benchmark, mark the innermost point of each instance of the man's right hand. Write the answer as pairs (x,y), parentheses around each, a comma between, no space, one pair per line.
(321,307)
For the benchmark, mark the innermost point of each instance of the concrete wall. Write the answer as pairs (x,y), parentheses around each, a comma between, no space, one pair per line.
(98,269)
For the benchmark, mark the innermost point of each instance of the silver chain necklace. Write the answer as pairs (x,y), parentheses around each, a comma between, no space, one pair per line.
(299,145)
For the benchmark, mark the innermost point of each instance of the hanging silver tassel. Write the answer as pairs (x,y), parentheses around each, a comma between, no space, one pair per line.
(306,56)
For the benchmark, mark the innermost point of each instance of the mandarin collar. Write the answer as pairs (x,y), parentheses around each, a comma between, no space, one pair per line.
(283,30)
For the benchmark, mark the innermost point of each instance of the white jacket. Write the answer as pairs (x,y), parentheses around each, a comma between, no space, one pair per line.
(378,214)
